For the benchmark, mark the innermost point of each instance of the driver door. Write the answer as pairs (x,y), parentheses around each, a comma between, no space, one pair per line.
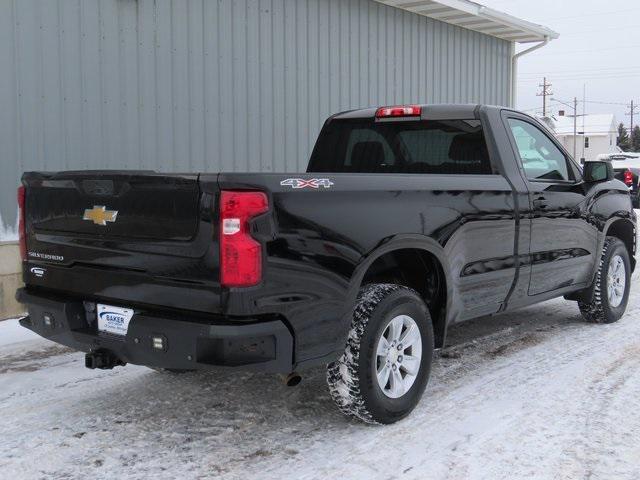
(563,241)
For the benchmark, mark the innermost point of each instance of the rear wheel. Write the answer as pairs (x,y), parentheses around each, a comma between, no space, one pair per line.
(387,360)
(612,285)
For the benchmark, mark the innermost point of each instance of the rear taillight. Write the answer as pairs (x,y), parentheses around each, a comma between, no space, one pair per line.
(399,111)
(22,226)
(240,253)
(628,178)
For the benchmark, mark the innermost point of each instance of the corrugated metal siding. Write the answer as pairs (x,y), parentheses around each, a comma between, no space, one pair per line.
(209,85)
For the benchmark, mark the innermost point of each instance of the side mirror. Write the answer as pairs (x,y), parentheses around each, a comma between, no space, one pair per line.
(594,172)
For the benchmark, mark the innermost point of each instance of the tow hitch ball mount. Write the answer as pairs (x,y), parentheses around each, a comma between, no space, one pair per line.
(102,360)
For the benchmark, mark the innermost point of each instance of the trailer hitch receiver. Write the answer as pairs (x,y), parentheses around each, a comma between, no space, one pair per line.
(102,360)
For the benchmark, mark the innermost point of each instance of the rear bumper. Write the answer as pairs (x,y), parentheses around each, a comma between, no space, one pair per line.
(187,343)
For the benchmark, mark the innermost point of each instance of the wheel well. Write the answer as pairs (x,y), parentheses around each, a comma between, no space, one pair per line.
(625,231)
(420,270)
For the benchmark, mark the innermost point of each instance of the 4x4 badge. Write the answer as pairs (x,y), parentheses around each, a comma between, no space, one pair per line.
(298,183)
(100,215)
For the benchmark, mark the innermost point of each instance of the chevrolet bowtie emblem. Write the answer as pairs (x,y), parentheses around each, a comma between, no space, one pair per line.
(100,215)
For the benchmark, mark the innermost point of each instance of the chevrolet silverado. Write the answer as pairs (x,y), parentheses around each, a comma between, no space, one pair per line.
(408,220)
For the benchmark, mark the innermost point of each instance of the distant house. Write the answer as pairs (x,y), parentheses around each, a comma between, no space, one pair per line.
(596,134)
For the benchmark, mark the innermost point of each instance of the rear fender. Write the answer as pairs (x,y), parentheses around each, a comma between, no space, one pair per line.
(400,242)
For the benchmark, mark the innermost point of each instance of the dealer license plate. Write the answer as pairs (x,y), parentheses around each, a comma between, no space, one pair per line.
(114,320)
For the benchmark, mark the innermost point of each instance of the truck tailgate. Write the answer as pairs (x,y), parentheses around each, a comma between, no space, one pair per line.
(141,236)
(155,207)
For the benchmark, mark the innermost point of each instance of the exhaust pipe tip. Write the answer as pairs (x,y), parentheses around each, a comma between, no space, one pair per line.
(292,380)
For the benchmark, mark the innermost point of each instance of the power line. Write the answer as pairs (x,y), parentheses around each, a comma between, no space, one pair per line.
(535,109)
(579,73)
(584,70)
(608,12)
(593,50)
(571,17)
(606,103)
(632,105)
(590,31)
(585,77)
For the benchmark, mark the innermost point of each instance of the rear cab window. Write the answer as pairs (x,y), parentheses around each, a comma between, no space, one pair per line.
(416,146)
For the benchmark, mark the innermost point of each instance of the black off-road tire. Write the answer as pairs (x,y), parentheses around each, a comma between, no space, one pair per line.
(352,378)
(599,310)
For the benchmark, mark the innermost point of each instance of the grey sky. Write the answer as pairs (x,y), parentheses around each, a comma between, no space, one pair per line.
(599,46)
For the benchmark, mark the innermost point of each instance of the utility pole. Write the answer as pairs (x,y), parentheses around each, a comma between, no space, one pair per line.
(544,94)
(631,113)
(575,126)
(575,121)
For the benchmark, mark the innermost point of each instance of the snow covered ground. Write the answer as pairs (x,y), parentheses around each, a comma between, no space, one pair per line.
(535,394)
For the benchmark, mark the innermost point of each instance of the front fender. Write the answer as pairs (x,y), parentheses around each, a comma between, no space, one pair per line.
(605,229)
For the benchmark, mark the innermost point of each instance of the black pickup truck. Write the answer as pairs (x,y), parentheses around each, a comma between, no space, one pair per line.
(408,220)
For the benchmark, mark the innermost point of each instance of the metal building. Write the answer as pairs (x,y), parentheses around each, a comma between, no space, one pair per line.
(209,85)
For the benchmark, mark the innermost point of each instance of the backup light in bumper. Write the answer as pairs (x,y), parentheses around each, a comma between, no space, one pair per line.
(159,342)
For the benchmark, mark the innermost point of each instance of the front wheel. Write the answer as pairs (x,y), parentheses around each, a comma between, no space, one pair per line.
(387,360)
(612,285)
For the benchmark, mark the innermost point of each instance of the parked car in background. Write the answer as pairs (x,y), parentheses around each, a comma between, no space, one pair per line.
(408,220)
(626,167)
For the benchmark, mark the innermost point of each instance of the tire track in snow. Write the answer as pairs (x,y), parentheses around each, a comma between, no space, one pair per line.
(530,393)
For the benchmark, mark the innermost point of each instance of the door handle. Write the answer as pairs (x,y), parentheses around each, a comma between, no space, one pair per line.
(540,203)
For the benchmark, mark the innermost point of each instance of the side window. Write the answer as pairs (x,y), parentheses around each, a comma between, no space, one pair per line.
(541,159)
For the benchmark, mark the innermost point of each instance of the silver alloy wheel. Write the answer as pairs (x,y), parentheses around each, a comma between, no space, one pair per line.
(398,356)
(616,281)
